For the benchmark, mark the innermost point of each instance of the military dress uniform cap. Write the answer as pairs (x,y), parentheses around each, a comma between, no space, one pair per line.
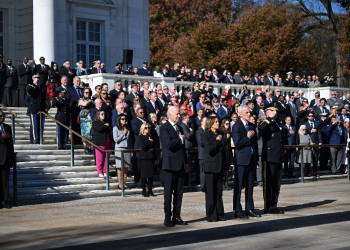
(63,91)
(1,56)
(36,76)
(324,114)
(297,77)
(145,62)
(331,77)
(271,106)
(289,73)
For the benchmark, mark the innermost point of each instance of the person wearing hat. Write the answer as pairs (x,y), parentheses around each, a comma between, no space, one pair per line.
(119,69)
(37,95)
(331,82)
(273,136)
(145,71)
(289,82)
(129,70)
(62,116)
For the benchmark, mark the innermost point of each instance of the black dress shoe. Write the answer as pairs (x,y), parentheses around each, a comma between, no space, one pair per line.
(151,194)
(240,215)
(179,221)
(7,206)
(221,219)
(168,223)
(211,220)
(275,211)
(86,151)
(251,213)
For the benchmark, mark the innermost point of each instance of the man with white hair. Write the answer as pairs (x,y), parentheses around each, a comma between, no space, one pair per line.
(173,147)
(334,100)
(67,71)
(299,100)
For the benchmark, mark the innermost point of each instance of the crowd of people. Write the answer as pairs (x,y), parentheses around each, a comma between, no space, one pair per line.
(162,124)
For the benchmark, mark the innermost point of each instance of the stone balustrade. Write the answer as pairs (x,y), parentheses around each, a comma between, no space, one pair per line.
(98,79)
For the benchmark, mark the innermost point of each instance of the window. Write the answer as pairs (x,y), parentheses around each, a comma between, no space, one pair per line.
(2,33)
(89,45)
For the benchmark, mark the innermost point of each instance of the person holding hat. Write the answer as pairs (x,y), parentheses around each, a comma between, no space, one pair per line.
(62,116)
(273,136)
(37,95)
(145,71)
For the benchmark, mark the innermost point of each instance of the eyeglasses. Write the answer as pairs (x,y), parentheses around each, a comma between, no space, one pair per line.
(333,94)
(99,88)
(122,119)
(86,92)
(141,112)
(304,101)
(159,93)
(227,124)
(146,127)
(103,93)
(2,116)
(165,88)
(103,114)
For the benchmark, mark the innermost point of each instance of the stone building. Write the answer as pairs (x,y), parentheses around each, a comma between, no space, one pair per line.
(74,29)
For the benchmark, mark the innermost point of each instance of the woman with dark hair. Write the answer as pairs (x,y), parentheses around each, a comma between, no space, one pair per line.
(121,135)
(214,168)
(205,76)
(85,105)
(54,82)
(225,129)
(194,76)
(147,159)
(102,138)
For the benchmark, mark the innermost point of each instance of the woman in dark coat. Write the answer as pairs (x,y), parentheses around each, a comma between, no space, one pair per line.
(225,129)
(103,138)
(54,82)
(147,159)
(214,168)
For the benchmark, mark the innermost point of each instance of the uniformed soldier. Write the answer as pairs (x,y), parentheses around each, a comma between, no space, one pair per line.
(273,136)
(289,82)
(37,95)
(62,116)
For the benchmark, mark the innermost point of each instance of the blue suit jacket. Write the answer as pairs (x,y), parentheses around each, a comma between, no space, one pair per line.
(334,136)
(315,137)
(342,119)
(222,113)
(59,89)
(243,144)
(292,138)
(73,97)
(172,148)
(143,72)
(135,130)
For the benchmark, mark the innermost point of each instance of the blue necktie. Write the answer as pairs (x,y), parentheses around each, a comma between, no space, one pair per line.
(247,128)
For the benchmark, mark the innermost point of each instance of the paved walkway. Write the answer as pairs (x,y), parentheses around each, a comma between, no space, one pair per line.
(317,217)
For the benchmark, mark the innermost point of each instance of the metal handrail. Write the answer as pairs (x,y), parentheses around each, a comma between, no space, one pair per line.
(315,146)
(14,115)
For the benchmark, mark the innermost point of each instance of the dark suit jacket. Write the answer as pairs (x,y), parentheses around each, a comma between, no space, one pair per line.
(189,135)
(315,137)
(214,155)
(227,80)
(24,76)
(6,148)
(129,99)
(114,95)
(144,105)
(334,136)
(174,152)
(222,113)
(282,111)
(12,78)
(135,129)
(147,147)
(94,71)
(150,109)
(43,73)
(73,98)
(100,132)
(267,81)
(243,144)
(318,112)
(201,150)
(292,113)
(64,71)
(292,139)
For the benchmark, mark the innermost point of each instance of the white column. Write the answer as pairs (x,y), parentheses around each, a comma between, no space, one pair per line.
(44,30)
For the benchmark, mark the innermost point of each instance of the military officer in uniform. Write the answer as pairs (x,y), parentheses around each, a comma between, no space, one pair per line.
(289,82)
(37,95)
(62,116)
(273,136)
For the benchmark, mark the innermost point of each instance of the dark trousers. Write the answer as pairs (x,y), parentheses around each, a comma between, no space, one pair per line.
(289,161)
(213,196)
(314,155)
(272,184)
(202,174)
(76,127)
(14,92)
(149,180)
(62,135)
(244,175)
(259,172)
(4,183)
(324,155)
(22,95)
(173,186)
(35,125)
(7,101)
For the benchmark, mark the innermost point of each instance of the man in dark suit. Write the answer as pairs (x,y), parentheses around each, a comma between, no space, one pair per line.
(70,73)
(114,93)
(42,69)
(292,139)
(173,147)
(268,80)
(201,151)
(188,131)
(7,160)
(153,106)
(25,78)
(135,130)
(282,109)
(246,161)
(74,93)
(2,79)
(145,100)
(129,99)
(272,156)
(224,111)
(37,95)
(64,83)
(336,136)
(321,109)
(144,71)
(11,85)
(293,111)
(256,79)
(313,128)
(97,68)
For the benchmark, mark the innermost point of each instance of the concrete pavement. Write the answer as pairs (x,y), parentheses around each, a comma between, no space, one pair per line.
(317,216)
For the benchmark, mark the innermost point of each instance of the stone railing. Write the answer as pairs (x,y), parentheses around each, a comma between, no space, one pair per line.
(98,79)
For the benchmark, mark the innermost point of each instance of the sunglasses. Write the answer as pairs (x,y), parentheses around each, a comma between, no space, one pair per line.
(2,116)
(99,88)
(227,124)
(310,116)
(146,127)
(86,92)
(141,112)
(304,101)
(104,94)
(123,119)
(102,114)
